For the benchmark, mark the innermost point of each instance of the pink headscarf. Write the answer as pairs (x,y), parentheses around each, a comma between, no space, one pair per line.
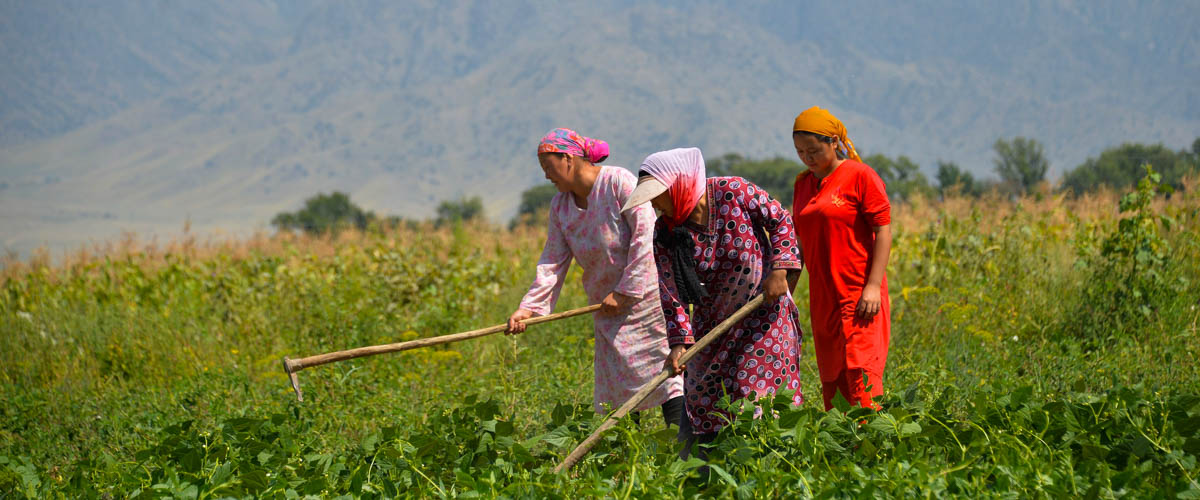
(682,171)
(565,140)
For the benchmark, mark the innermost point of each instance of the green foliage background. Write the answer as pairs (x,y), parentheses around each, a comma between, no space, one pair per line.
(776,175)
(1121,167)
(157,374)
(462,210)
(325,213)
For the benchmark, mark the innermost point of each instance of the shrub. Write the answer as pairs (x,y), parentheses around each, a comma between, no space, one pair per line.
(776,175)
(325,214)
(1120,168)
(1127,281)
(1020,163)
(463,210)
(535,204)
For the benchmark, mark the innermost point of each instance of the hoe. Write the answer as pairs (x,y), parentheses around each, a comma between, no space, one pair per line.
(645,391)
(291,366)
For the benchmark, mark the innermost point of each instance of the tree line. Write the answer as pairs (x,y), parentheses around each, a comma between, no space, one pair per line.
(334,212)
(1020,165)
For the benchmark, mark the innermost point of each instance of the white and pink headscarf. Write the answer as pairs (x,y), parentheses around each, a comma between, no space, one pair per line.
(682,172)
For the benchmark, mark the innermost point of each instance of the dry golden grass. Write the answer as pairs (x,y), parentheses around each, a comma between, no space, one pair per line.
(990,211)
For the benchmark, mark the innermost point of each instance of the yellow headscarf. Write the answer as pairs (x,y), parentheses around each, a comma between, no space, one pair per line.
(822,122)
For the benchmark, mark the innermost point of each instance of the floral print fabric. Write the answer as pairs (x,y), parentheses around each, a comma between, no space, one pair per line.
(761,354)
(615,252)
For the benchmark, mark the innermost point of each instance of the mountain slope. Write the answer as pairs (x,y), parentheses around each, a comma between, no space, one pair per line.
(405,104)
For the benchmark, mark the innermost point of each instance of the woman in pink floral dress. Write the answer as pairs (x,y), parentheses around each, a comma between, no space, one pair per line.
(718,244)
(614,250)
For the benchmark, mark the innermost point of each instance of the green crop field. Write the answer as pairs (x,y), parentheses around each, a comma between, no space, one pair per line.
(1042,347)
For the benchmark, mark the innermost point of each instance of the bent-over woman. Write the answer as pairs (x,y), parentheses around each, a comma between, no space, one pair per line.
(718,243)
(615,251)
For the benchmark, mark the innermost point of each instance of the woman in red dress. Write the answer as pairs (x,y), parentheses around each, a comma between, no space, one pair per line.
(842,218)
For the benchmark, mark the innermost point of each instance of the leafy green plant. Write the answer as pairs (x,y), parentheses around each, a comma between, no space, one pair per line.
(1013,441)
(1128,281)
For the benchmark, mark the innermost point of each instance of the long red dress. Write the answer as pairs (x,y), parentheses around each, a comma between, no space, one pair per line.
(761,354)
(834,220)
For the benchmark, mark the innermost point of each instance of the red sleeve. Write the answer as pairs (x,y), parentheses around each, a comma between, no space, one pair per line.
(874,200)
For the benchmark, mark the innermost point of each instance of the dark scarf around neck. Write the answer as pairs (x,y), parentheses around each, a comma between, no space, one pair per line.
(681,248)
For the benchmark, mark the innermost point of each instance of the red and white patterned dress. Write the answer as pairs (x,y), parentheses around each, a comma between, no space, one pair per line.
(761,354)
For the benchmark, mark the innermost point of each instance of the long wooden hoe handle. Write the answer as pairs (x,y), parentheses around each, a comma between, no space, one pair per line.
(645,391)
(291,366)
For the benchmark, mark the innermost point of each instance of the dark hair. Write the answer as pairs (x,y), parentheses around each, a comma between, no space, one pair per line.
(820,138)
(824,139)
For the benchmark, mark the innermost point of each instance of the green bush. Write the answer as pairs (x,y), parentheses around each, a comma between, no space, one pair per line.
(534,206)
(462,210)
(952,179)
(1020,163)
(901,176)
(776,175)
(1121,168)
(1128,265)
(325,214)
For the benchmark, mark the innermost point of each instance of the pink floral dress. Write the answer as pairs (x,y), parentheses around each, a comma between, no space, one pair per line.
(615,252)
(761,354)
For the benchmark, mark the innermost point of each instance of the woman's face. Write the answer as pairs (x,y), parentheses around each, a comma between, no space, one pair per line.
(817,156)
(556,166)
(663,204)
